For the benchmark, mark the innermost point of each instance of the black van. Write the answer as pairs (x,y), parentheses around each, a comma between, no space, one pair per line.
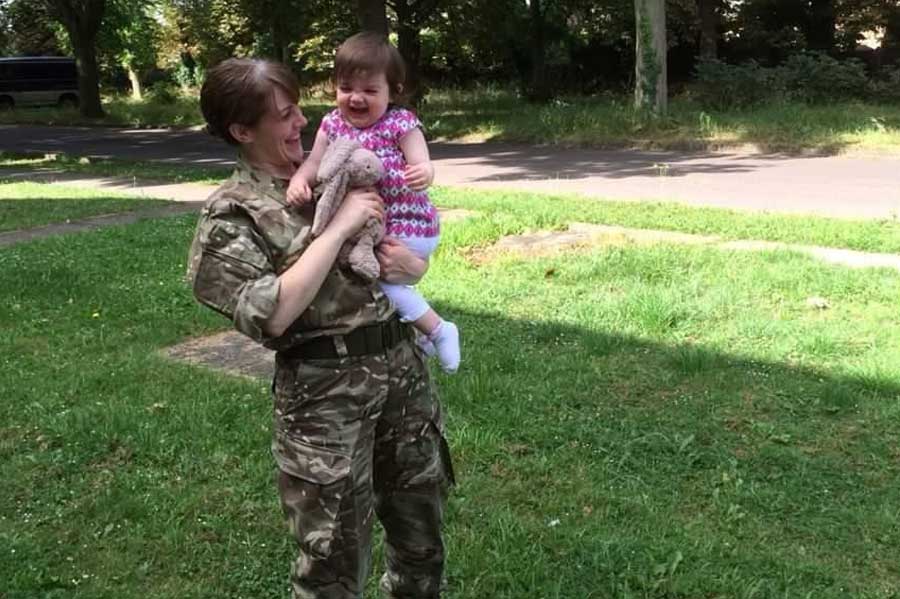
(38,81)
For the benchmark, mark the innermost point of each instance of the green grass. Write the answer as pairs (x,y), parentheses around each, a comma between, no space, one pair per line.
(144,170)
(492,114)
(498,114)
(27,205)
(538,211)
(673,422)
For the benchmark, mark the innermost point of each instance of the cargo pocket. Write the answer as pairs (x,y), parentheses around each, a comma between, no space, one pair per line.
(313,483)
(423,458)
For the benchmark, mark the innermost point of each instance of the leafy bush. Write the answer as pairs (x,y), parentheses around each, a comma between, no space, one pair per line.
(163,92)
(722,86)
(817,78)
(809,77)
(886,86)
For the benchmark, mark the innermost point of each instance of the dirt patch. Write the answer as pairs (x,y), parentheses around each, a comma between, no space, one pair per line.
(229,352)
(449,215)
(580,236)
(584,235)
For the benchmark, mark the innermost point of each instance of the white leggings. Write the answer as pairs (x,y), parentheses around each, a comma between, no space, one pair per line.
(410,304)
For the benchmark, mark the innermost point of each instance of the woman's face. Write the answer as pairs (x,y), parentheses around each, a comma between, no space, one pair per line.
(274,143)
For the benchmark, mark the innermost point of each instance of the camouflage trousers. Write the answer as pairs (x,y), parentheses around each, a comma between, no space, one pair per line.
(355,438)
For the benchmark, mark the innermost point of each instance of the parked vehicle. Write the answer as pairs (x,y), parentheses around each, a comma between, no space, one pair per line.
(38,81)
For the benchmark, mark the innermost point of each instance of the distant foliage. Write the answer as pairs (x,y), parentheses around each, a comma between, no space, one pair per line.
(722,86)
(809,77)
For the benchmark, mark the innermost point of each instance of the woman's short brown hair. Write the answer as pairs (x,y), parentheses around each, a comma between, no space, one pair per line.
(239,91)
(369,52)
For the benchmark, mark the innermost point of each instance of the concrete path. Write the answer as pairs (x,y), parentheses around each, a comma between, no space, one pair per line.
(836,186)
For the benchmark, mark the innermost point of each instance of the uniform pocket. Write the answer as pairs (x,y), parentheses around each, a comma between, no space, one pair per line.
(312,483)
(312,463)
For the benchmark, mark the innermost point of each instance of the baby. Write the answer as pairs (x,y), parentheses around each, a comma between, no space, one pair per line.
(368,73)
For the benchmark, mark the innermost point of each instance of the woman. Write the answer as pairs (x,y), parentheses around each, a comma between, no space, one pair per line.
(357,426)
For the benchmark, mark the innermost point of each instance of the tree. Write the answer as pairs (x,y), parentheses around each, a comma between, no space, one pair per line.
(81,19)
(411,16)
(709,17)
(28,29)
(650,87)
(130,39)
(539,86)
(372,16)
(820,26)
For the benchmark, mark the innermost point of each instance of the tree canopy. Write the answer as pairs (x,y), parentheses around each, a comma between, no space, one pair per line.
(543,46)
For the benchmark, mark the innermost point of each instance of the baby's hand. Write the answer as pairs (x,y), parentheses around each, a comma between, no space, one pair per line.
(298,192)
(419,176)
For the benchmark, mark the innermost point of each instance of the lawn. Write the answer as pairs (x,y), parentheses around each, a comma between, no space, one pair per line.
(497,113)
(547,211)
(145,170)
(27,205)
(629,422)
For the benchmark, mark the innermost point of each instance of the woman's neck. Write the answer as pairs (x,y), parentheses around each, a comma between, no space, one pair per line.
(279,170)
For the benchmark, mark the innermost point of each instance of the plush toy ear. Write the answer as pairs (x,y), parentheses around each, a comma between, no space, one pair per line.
(333,194)
(336,156)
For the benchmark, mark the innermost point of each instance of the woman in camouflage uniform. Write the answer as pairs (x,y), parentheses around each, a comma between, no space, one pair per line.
(357,425)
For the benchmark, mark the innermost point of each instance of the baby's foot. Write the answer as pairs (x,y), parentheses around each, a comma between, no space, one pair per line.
(445,337)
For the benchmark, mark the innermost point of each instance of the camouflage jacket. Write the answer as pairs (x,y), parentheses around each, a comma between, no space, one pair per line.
(245,238)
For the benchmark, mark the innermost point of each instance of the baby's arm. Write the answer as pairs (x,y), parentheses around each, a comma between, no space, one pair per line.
(300,188)
(419,172)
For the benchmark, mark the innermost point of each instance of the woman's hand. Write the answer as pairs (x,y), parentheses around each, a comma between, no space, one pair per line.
(358,207)
(398,264)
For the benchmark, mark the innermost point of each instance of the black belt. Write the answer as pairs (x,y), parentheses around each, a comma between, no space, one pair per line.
(361,341)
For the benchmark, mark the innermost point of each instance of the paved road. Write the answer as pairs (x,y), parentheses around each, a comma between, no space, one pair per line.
(848,187)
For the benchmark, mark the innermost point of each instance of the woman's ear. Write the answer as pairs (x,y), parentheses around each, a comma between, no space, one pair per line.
(242,133)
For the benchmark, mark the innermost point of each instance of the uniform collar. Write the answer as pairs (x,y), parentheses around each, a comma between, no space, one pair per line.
(259,180)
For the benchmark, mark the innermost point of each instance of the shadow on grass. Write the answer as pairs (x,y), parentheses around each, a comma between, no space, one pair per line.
(680,447)
(688,448)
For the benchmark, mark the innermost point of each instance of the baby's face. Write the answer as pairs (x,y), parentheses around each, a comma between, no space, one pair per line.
(363,98)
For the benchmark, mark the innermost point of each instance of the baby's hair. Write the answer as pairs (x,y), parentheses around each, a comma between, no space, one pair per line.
(371,53)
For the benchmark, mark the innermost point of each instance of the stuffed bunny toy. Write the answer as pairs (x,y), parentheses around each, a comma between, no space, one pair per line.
(346,165)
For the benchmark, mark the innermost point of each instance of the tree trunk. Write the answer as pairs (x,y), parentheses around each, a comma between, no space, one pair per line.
(82,21)
(650,83)
(708,12)
(821,26)
(538,87)
(135,83)
(410,46)
(88,82)
(892,30)
(372,16)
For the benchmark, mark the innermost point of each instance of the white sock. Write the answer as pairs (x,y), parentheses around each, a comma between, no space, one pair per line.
(445,337)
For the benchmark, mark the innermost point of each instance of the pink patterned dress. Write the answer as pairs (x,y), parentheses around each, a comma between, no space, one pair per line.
(408,213)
